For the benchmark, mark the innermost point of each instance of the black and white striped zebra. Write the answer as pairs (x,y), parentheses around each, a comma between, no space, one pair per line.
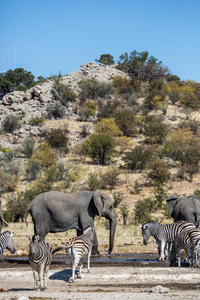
(40,256)
(6,242)
(78,247)
(186,240)
(163,234)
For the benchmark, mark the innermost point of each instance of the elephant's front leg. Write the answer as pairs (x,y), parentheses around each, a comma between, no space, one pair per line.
(95,245)
(162,251)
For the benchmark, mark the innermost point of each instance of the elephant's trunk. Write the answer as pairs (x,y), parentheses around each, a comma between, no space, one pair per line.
(113,224)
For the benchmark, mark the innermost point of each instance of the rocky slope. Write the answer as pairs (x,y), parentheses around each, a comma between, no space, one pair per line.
(34,102)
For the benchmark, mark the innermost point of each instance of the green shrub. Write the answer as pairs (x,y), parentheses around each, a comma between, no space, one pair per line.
(33,168)
(125,119)
(110,177)
(10,123)
(100,147)
(84,114)
(57,138)
(36,121)
(158,171)
(143,211)
(93,89)
(28,147)
(94,181)
(16,207)
(155,130)
(55,110)
(137,158)
(62,92)
(107,108)
(118,198)
(125,212)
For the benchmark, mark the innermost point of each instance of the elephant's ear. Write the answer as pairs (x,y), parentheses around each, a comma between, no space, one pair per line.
(171,203)
(98,202)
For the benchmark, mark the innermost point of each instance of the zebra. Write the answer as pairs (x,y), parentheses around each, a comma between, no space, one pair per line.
(6,242)
(186,240)
(40,256)
(163,234)
(77,247)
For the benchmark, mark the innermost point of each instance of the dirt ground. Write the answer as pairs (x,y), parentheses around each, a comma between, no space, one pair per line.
(127,280)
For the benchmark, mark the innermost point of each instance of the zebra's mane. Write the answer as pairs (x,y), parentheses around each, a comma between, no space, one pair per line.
(6,232)
(151,224)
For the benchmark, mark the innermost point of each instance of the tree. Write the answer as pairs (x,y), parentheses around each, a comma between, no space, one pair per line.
(106,59)
(100,147)
(18,79)
(141,66)
(125,119)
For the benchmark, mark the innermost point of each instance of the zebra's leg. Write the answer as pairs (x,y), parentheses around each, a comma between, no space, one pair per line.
(158,243)
(46,270)
(41,275)
(162,250)
(187,252)
(35,276)
(75,262)
(88,260)
(81,266)
(179,257)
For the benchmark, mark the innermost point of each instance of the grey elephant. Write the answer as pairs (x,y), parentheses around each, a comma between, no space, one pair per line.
(184,208)
(56,211)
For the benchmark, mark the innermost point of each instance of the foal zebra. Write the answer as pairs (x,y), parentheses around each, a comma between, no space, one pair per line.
(163,233)
(40,255)
(6,242)
(77,247)
(189,241)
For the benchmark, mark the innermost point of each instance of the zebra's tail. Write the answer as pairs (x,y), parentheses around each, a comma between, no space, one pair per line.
(60,248)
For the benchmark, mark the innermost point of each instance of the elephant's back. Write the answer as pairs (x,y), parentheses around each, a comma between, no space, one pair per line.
(55,197)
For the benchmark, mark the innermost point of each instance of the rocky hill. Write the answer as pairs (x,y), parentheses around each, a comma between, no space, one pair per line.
(34,102)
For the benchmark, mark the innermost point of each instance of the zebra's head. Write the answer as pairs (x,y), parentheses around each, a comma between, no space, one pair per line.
(145,233)
(33,246)
(10,244)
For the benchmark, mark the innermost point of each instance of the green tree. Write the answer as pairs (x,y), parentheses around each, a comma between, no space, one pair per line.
(125,119)
(18,79)
(141,66)
(137,158)
(105,59)
(100,147)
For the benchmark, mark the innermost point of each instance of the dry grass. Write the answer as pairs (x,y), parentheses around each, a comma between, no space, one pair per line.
(128,239)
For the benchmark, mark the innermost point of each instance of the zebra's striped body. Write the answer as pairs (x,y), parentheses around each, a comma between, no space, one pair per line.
(164,233)
(40,255)
(186,240)
(78,247)
(6,242)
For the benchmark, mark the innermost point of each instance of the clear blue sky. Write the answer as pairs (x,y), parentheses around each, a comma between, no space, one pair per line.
(46,37)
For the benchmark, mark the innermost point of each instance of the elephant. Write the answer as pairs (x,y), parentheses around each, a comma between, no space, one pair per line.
(55,211)
(184,208)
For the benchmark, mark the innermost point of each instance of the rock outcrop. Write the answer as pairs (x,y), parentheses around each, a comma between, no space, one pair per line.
(34,102)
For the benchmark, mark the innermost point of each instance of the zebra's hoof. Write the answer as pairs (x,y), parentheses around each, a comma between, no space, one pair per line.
(71,280)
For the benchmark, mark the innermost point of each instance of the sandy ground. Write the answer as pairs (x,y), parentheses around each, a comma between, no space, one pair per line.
(133,280)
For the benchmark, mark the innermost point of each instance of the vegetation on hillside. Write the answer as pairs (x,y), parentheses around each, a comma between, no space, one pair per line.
(130,135)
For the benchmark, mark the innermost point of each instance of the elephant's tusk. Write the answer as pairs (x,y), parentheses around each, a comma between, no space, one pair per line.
(4,221)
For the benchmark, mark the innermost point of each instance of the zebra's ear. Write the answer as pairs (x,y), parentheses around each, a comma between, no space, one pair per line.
(30,238)
(12,234)
(140,225)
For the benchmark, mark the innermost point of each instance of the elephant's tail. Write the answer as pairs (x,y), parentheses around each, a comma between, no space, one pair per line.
(58,249)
